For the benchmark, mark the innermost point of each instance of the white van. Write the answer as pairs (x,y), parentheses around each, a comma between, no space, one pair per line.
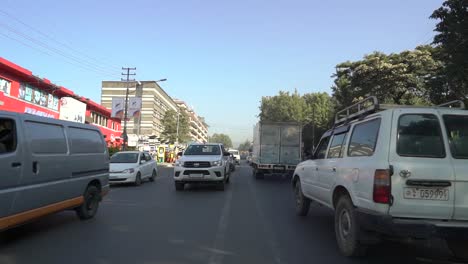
(49,165)
(398,171)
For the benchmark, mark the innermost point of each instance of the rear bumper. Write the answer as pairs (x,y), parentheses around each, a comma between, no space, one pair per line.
(414,228)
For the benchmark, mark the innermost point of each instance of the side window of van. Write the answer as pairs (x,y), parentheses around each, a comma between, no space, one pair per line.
(420,135)
(364,138)
(46,138)
(322,148)
(337,146)
(7,135)
(85,141)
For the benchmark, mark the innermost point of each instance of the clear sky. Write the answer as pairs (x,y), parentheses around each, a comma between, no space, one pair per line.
(219,56)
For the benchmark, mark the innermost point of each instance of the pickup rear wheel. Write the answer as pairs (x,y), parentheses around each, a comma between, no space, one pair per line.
(347,229)
(302,202)
(459,249)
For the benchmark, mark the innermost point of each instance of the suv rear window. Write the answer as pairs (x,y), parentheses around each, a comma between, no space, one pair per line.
(419,135)
(457,131)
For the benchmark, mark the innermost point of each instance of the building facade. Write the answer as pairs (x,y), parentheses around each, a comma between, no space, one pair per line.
(23,92)
(155,103)
(198,126)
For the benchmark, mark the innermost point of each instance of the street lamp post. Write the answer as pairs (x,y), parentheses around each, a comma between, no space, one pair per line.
(177,129)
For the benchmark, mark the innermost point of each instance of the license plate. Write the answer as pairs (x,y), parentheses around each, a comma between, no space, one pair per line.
(196,175)
(439,194)
(279,168)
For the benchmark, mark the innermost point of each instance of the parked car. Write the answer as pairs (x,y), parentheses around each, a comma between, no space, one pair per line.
(202,163)
(49,165)
(236,155)
(132,167)
(391,172)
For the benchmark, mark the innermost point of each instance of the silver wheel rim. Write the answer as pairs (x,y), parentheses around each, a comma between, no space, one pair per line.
(345,224)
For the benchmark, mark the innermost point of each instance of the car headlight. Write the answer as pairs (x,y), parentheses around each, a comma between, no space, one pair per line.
(217,163)
(178,163)
(129,171)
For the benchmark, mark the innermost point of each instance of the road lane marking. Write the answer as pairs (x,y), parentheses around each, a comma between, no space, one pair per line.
(217,252)
(272,242)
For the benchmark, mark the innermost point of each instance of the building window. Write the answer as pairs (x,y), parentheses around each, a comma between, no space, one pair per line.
(34,95)
(5,86)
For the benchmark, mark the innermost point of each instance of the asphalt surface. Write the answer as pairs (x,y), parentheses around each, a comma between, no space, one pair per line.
(252,221)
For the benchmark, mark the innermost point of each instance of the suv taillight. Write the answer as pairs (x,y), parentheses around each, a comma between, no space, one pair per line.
(382,187)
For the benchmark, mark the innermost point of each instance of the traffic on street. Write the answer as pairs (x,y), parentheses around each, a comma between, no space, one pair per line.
(252,221)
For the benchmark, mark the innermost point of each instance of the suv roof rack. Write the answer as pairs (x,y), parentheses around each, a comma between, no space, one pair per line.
(371,105)
(361,108)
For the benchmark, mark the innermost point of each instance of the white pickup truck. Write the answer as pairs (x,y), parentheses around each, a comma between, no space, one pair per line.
(202,163)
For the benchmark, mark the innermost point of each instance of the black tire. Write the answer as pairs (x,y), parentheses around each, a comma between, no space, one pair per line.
(228,179)
(153,176)
(259,175)
(92,197)
(179,186)
(137,180)
(459,249)
(302,202)
(347,229)
(221,186)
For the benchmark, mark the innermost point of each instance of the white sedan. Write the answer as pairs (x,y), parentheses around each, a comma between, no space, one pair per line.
(132,167)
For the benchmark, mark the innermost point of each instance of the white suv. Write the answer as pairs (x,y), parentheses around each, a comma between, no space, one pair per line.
(397,171)
(202,163)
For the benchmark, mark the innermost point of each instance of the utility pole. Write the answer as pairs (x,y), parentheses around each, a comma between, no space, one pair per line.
(128,80)
(177,139)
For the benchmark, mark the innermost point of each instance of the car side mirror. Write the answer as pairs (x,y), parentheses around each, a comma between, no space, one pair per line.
(142,161)
(180,154)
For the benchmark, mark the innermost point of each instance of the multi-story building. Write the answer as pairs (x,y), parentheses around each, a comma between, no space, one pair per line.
(22,91)
(155,103)
(198,126)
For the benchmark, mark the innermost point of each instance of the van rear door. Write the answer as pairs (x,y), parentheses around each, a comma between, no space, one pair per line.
(423,179)
(456,125)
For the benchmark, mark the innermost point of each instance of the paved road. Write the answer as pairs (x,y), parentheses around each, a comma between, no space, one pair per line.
(251,222)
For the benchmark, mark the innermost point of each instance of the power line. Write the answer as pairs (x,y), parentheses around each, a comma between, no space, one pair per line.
(55,40)
(46,53)
(57,51)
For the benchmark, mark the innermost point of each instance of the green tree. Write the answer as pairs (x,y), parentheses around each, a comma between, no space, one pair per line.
(397,78)
(169,122)
(452,41)
(245,146)
(314,111)
(221,138)
(284,107)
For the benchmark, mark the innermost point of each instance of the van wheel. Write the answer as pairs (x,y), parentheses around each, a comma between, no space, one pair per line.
(90,205)
(302,202)
(137,179)
(153,176)
(459,249)
(347,229)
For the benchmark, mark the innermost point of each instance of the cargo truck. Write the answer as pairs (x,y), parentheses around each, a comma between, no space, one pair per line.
(277,148)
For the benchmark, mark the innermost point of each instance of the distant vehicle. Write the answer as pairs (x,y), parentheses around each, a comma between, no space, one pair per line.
(132,167)
(236,155)
(49,165)
(391,171)
(202,163)
(276,148)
